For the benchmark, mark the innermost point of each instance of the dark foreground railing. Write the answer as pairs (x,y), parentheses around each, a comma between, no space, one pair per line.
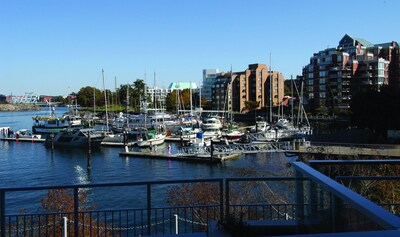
(307,203)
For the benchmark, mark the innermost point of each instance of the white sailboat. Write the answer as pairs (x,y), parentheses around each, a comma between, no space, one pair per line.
(156,136)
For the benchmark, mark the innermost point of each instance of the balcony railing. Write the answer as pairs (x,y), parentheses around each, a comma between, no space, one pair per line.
(307,203)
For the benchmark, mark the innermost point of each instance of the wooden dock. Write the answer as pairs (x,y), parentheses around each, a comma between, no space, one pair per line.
(13,139)
(186,158)
(349,149)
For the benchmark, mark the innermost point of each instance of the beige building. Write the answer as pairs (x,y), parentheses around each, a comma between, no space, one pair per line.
(232,90)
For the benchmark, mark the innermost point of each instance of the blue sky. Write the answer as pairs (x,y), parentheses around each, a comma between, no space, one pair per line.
(56,47)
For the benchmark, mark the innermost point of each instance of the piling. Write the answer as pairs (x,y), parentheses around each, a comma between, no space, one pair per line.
(212,151)
(89,165)
(52,141)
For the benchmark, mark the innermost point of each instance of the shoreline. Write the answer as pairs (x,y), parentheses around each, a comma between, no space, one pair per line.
(18,107)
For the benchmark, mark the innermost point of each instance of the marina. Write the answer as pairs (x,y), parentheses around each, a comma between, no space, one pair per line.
(33,164)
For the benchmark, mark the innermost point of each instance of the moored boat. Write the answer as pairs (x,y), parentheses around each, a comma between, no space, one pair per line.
(75,137)
(26,133)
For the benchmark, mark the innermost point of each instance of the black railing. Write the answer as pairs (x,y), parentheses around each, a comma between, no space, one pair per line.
(149,220)
(306,203)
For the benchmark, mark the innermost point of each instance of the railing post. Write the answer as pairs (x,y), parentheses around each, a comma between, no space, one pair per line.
(76,211)
(299,189)
(227,197)
(176,224)
(65,226)
(148,209)
(2,213)
(221,200)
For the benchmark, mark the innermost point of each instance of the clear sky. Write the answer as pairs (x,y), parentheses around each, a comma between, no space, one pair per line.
(56,47)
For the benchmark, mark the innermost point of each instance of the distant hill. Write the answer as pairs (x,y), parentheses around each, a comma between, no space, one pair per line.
(18,107)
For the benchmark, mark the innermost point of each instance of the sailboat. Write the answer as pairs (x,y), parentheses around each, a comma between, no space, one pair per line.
(155,136)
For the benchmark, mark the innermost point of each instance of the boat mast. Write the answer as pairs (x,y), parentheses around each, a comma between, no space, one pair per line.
(191,106)
(105,97)
(94,101)
(115,87)
(291,99)
(270,89)
(127,97)
(200,96)
(231,95)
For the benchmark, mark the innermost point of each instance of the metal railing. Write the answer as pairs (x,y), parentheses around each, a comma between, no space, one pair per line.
(310,202)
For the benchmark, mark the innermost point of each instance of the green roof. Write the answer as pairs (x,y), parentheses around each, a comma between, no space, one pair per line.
(364,42)
(182,85)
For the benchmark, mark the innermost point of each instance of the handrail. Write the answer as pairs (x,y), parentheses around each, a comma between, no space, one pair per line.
(382,217)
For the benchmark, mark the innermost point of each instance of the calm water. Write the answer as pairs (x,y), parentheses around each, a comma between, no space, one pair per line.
(25,164)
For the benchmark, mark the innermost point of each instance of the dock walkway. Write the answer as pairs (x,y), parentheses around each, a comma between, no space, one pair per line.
(13,139)
(186,158)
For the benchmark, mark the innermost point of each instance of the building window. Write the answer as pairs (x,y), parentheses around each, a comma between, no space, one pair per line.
(322,95)
(311,96)
(381,73)
(322,81)
(321,88)
(310,88)
(310,82)
(322,73)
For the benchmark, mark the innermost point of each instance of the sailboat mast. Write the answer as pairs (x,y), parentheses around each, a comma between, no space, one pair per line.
(154,95)
(231,97)
(291,99)
(127,97)
(115,88)
(200,86)
(191,106)
(105,97)
(270,89)
(94,101)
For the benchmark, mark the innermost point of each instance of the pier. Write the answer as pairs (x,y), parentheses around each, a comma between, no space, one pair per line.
(22,139)
(348,149)
(199,158)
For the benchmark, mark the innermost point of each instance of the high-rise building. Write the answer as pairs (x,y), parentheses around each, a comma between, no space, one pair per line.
(232,90)
(335,74)
(209,78)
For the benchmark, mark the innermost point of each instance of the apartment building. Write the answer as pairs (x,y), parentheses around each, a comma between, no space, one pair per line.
(335,74)
(209,78)
(231,90)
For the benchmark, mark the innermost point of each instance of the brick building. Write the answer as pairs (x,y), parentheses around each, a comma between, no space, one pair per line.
(231,90)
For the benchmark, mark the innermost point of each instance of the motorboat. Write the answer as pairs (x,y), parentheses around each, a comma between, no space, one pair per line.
(26,133)
(212,133)
(151,138)
(52,124)
(75,137)
(232,134)
(211,123)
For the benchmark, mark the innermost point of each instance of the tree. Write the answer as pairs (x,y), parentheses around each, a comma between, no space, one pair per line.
(89,96)
(251,105)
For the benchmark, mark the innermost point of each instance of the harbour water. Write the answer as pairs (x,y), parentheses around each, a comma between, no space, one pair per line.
(26,164)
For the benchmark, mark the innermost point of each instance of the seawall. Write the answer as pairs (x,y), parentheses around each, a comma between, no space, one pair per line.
(18,107)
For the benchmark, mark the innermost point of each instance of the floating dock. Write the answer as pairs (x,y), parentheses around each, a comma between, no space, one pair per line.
(187,158)
(22,139)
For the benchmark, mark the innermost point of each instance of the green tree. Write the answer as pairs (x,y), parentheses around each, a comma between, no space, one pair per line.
(251,105)
(89,96)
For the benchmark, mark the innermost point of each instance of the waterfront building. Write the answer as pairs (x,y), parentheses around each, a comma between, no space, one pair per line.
(232,90)
(159,95)
(209,78)
(335,74)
